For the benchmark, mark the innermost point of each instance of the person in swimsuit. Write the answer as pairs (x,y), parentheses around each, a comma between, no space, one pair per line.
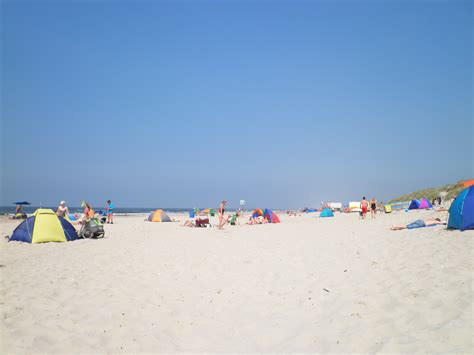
(110,212)
(373,207)
(221,214)
(364,205)
(87,213)
(62,210)
(419,224)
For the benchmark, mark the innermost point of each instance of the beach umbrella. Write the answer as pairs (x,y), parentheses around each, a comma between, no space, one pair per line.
(22,203)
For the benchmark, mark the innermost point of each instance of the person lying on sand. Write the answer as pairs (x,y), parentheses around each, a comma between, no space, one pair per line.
(257,220)
(419,224)
(189,223)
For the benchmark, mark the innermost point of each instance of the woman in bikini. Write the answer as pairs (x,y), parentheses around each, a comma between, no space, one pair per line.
(373,207)
(221,214)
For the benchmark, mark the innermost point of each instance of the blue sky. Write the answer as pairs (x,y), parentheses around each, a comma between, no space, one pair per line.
(284,104)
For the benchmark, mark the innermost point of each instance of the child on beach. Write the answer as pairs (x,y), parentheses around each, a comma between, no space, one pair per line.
(110,212)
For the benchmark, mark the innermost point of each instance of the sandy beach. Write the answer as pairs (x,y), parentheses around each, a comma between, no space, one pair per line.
(304,285)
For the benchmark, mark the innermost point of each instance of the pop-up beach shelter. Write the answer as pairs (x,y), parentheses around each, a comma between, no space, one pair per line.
(461,212)
(326,213)
(424,203)
(159,216)
(271,216)
(468,183)
(44,226)
(257,212)
(414,205)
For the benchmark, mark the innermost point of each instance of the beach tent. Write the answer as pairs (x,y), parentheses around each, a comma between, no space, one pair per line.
(420,204)
(387,208)
(424,203)
(354,207)
(44,226)
(159,216)
(461,212)
(414,205)
(468,183)
(257,212)
(326,213)
(309,210)
(271,216)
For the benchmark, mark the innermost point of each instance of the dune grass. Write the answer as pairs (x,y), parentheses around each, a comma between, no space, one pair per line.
(446,192)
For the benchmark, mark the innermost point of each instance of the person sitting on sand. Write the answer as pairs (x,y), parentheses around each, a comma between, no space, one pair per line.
(87,213)
(62,210)
(258,220)
(419,224)
(234,219)
(189,223)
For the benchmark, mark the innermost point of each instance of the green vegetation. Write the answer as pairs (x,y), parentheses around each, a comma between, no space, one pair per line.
(446,192)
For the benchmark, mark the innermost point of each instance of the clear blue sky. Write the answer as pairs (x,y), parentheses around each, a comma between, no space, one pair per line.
(184,103)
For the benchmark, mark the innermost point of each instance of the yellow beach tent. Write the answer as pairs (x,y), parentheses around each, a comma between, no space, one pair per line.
(44,226)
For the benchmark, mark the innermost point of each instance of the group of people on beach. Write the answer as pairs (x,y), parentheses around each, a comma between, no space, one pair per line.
(202,220)
(366,205)
(87,212)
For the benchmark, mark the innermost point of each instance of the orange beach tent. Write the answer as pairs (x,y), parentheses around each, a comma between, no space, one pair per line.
(468,183)
(159,216)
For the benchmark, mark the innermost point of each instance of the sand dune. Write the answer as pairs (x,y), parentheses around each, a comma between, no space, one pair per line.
(305,285)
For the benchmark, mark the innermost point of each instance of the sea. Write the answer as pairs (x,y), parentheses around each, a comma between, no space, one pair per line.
(119,211)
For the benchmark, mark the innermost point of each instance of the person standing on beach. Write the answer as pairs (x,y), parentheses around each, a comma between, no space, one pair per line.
(364,205)
(62,210)
(221,214)
(373,207)
(110,212)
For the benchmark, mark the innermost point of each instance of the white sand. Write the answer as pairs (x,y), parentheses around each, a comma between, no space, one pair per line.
(151,287)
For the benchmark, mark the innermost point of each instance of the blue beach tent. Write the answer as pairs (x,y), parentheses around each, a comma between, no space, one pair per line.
(326,213)
(420,204)
(461,212)
(414,205)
